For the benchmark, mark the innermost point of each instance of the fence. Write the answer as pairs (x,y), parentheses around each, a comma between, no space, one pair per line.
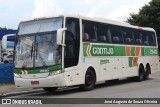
(6,73)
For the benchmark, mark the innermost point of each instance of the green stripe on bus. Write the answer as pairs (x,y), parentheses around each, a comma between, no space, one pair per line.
(85,48)
(132,51)
(130,61)
(109,50)
(120,51)
(142,51)
(151,51)
(18,71)
(42,70)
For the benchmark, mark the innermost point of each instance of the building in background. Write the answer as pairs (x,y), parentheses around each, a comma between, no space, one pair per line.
(6,43)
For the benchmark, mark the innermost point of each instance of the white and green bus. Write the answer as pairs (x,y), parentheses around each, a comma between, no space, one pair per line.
(72,50)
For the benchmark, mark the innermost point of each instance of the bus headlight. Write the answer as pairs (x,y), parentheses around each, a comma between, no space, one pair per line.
(55,72)
(17,75)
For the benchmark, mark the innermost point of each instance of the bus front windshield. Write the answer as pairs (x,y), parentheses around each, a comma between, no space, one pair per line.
(38,50)
(36,43)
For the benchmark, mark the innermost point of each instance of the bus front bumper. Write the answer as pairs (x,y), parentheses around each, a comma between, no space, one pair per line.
(50,81)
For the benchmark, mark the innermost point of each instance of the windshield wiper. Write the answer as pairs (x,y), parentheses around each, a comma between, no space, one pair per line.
(31,51)
(26,60)
(40,57)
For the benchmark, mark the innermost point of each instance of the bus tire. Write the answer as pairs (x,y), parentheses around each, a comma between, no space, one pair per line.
(147,71)
(141,71)
(50,89)
(90,80)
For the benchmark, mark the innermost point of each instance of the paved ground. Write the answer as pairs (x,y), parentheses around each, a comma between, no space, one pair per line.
(121,89)
(12,88)
(7,88)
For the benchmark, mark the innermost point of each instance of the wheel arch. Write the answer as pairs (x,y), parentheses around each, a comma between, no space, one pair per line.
(91,68)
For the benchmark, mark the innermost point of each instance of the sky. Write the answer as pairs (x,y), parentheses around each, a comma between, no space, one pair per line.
(12,12)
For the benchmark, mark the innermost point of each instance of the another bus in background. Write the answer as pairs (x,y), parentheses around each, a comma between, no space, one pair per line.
(7,46)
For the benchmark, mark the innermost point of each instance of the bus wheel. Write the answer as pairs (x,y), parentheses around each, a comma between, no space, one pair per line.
(141,73)
(147,71)
(50,89)
(90,80)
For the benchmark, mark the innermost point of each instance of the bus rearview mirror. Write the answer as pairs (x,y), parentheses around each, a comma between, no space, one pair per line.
(60,36)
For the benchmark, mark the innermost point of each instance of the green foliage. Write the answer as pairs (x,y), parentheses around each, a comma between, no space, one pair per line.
(148,16)
(4,28)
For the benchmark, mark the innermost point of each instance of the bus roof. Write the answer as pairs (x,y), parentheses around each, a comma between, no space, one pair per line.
(96,19)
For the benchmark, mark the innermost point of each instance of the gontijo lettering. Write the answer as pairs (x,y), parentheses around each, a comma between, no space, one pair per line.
(99,50)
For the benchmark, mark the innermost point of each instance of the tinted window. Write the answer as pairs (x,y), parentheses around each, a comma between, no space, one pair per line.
(103,33)
(72,41)
(151,38)
(106,33)
(128,36)
(138,34)
(145,38)
(116,34)
(90,31)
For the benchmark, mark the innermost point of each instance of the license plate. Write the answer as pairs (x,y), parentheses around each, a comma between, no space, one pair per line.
(34,82)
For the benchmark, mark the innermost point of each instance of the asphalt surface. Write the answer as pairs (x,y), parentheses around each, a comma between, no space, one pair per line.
(120,89)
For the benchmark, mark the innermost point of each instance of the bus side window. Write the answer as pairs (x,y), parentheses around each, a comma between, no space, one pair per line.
(116,35)
(128,36)
(109,35)
(89,31)
(102,38)
(86,37)
(152,38)
(102,33)
(138,37)
(145,38)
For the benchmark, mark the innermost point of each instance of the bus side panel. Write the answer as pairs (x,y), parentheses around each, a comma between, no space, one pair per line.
(106,68)
(113,68)
(151,60)
(75,75)
(154,64)
(128,71)
(91,62)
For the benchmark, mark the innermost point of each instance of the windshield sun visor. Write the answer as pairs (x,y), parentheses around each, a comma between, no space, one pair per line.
(39,26)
